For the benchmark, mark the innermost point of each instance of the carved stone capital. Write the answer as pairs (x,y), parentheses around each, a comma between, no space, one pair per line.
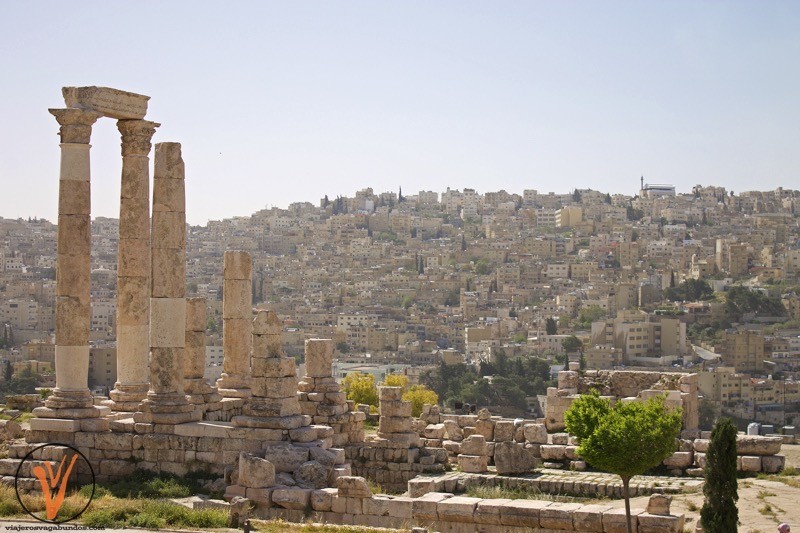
(76,124)
(136,136)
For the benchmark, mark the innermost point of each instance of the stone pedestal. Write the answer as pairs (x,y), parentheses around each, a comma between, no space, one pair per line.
(71,397)
(321,397)
(166,403)
(237,322)
(133,274)
(273,403)
(199,392)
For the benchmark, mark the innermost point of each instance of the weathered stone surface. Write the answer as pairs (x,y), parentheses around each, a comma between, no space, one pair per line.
(659,504)
(453,430)
(353,487)
(553,452)
(291,498)
(751,463)
(535,433)
(557,515)
(523,513)
(680,460)
(319,357)
(285,457)
(755,445)
(504,431)
(772,464)
(474,464)
(660,523)
(322,499)
(434,431)
(512,458)
(109,102)
(589,517)
(255,472)
(312,475)
(457,509)
(474,445)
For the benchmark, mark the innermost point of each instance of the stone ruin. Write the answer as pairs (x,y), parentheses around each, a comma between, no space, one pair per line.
(681,391)
(281,446)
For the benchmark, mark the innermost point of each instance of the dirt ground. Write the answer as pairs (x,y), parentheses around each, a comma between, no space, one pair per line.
(763,504)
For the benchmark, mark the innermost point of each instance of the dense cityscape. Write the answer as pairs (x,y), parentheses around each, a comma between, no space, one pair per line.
(493,285)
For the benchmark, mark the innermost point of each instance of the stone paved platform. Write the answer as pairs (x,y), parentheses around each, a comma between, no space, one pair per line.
(561,482)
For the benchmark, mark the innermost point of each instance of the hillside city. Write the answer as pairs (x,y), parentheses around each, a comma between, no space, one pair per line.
(465,285)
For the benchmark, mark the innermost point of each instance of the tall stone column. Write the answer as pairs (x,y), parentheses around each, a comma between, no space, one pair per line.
(71,397)
(199,392)
(133,271)
(237,325)
(166,402)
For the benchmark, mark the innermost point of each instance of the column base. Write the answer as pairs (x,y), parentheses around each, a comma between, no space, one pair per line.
(234,386)
(126,398)
(67,399)
(170,408)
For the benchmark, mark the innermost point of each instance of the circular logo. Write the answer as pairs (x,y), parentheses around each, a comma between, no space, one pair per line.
(56,468)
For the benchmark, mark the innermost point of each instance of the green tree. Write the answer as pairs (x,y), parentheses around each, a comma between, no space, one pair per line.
(572,344)
(361,388)
(590,314)
(719,513)
(420,395)
(8,371)
(585,413)
(690,290)
(343,347)
(550,326)
(629,439)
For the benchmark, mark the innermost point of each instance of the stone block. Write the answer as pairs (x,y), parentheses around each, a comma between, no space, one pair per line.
(474,445)
(561,438)
(276,367)
(679,460)
(238,298)
(321,500)
(375,506)
(109,102)
(457,509)
(589,517)
(553,452)
(390,394)
(557,515)
(255,472)
(167,319)
(504,431)
(535,433)
(237,265)
(660,523)
(434,431)
(453,430)
(659,504)
(522,513)
(319,357)
(488,511)
(474,464)
(512,458)
(274,387)
(400,507)
(751,463)
(615,520)
(425,507)
(394,424)
(755,445)
(169,229)
(772,464)
(353,487)
(285,457)
(168,267)
(291,497)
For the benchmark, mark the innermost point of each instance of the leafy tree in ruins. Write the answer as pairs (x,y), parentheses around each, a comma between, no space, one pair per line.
(719,513)
(627,440)
(360,388)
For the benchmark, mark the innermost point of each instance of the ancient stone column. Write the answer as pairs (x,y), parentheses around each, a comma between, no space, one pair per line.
(71,397)
(133,270)
(199,392)
(321,398)
(166,403)
(273,403)
(237,325)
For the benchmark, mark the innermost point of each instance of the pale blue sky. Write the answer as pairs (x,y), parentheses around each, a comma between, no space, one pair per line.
(277,102)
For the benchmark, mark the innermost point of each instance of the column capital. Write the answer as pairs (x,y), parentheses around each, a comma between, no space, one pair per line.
(136,136)
(76,124)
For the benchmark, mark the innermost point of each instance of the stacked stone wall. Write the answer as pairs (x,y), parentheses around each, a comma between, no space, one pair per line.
(352,503)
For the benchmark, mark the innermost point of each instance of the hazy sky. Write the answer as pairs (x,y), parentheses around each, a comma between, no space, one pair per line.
(276,102)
